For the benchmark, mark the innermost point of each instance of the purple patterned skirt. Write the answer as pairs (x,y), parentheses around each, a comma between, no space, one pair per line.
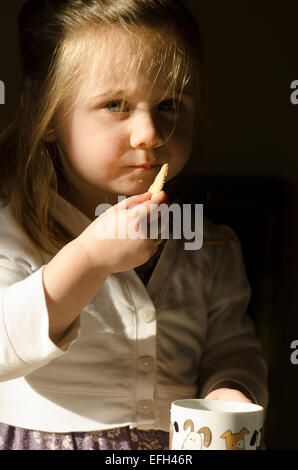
(12,438)
(124,438)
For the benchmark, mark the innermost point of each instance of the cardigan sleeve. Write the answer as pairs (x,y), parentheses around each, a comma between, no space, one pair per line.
(232,351)
(25,344)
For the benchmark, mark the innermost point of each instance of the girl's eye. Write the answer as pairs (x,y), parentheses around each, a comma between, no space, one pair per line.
(117,107)
(169,105)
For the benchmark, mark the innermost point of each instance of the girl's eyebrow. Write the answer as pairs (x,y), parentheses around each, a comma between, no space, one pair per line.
(121,93)
(112,93)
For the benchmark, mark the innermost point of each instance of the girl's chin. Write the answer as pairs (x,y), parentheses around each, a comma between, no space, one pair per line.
(132,190)
(128,189)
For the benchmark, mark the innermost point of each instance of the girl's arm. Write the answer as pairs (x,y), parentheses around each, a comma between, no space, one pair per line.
(232,361)
(69,282)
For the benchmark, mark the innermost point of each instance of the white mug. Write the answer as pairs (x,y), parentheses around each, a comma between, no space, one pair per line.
(199,424)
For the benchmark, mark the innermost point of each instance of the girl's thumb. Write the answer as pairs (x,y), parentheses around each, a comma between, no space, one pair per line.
(133,201)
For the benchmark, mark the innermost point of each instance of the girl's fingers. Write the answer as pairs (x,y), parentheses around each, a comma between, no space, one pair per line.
(151,213)
(133,201)
(159,197)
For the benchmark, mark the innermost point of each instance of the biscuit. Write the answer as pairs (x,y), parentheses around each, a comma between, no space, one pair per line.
(159,181)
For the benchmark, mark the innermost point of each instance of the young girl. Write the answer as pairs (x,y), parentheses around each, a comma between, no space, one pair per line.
(100,335)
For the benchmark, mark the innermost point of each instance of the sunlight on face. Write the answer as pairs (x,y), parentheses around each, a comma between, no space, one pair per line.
(122,117)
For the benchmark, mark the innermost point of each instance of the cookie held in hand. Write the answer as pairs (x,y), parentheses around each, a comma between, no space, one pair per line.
(159,181)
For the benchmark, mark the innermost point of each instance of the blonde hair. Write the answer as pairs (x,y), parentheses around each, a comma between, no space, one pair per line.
(57,40)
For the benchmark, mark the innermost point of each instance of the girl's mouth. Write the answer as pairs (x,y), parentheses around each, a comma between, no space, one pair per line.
(145,166)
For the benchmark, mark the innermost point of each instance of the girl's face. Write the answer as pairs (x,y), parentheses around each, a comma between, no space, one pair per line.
(109,150)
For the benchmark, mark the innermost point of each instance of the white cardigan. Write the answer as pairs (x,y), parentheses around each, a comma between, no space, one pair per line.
(134,349)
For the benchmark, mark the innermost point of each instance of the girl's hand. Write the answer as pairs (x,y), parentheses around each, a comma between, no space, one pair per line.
(229,394)
(109,241)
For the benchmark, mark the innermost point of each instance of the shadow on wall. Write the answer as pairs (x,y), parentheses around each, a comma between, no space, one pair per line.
(10,70)
(263,213)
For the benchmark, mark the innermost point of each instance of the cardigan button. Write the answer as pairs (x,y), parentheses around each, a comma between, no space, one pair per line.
(147,315)
(145,407)
(145,363)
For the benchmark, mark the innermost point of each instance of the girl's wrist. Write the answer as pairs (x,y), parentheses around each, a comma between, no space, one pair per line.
(83,252)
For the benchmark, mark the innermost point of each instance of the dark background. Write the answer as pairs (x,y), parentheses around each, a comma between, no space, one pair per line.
(247,161)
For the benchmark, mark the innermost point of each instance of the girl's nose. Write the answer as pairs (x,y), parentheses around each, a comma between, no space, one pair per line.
(144,133)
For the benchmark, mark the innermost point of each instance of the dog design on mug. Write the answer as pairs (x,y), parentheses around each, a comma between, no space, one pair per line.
(235,441)
(194,440)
